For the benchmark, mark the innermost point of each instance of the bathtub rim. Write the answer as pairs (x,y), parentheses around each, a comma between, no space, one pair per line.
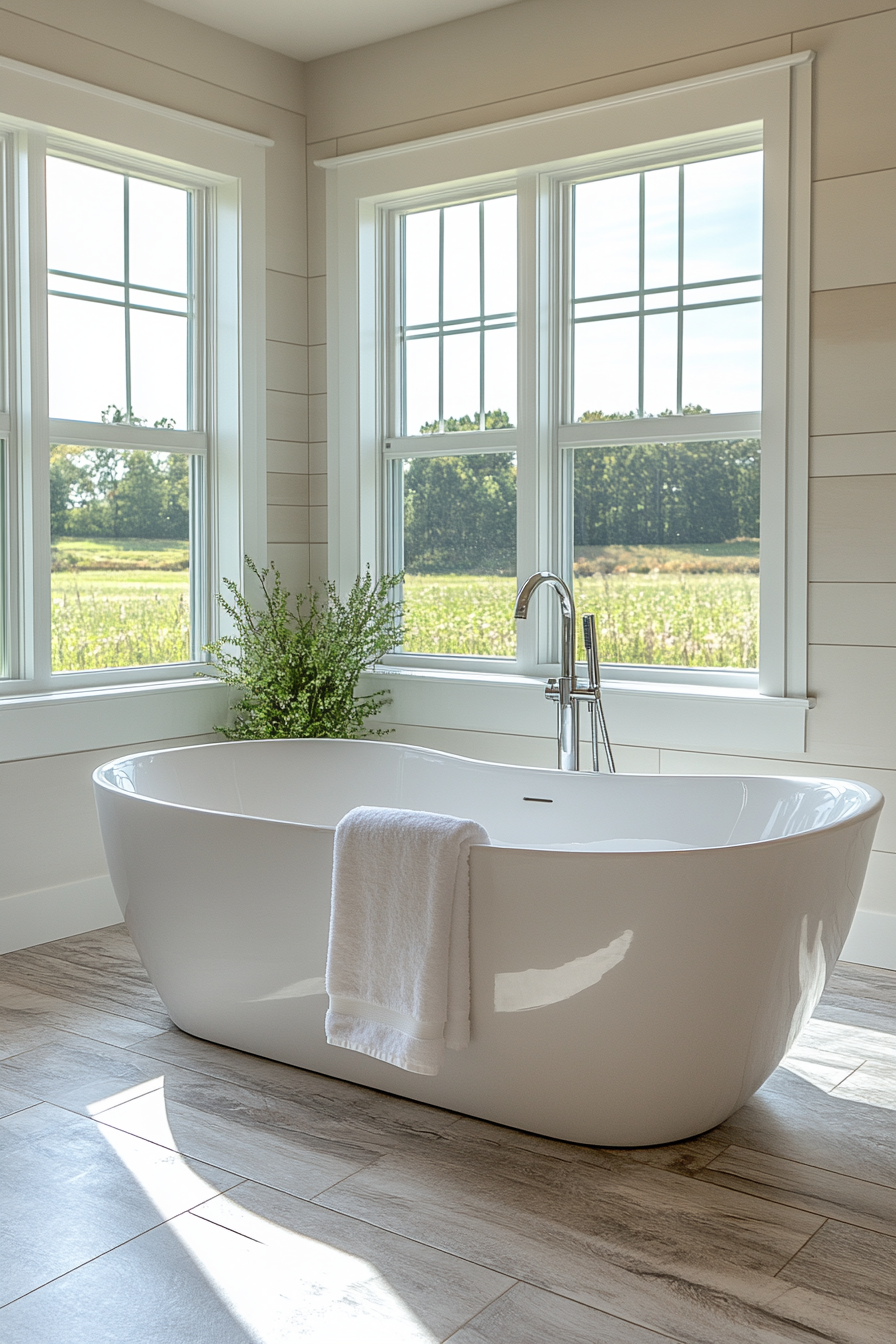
(871,809)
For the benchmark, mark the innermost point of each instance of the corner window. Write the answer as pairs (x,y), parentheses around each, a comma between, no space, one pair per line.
(650,444)
(132,425)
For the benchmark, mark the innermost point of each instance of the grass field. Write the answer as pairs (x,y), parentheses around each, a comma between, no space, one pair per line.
(126,604)
(119,603)
(681,619)
(74,554)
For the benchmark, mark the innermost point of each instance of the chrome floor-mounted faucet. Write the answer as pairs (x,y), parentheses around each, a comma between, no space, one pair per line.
(565,691)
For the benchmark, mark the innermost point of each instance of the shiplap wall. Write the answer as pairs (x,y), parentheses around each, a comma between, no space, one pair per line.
(540,54)
(53,879)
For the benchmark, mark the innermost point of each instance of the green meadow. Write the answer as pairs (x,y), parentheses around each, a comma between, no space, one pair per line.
(121,603)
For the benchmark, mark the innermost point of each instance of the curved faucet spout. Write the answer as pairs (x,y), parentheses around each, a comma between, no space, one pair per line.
(567,725)
(567,608)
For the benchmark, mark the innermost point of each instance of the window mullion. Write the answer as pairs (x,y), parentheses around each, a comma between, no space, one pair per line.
(539,401)
(33,418)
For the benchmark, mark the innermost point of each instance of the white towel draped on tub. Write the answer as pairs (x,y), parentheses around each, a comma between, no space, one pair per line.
(398,966)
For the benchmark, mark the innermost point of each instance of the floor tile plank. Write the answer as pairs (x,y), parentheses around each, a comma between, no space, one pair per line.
(637,1245)
(44,1011)
(848,1280)
(443,1291)
(331,1105)
(526,1314)
(812,1188)
(70,1191)
(76,1073)
(873,1083)
(283,1161)
(791,1118)
(100,969)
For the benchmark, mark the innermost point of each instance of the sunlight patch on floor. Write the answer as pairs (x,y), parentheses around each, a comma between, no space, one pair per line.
(278,1284)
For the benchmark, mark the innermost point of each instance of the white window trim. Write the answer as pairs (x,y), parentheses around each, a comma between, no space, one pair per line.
(536,153)
(38,109)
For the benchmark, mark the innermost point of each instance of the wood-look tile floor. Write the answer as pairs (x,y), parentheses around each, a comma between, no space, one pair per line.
(158,1189)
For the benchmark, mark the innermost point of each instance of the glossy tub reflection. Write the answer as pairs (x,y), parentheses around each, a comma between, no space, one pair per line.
(644,948)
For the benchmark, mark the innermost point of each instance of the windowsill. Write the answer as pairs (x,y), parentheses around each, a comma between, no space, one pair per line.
(671,714)
(87,718)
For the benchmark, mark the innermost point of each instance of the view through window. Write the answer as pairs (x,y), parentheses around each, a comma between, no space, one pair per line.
(457,516)
(663,323)
(666,320)
(121,322)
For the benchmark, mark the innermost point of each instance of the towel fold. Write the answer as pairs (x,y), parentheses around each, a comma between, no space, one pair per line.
(398,964)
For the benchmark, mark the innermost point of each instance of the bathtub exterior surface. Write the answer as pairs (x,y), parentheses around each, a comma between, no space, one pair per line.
(644,949)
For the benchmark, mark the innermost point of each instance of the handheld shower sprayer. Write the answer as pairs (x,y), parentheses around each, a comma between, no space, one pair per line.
(595,706)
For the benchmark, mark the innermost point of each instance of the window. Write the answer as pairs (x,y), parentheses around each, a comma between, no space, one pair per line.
(666,321)
(454,519)
(122,317)
(657,425)
(132,416)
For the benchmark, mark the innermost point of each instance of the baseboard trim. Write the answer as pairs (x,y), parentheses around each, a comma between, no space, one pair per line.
(33,917)
(872,940)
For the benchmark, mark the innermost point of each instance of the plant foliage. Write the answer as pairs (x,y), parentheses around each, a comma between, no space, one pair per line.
(299,660)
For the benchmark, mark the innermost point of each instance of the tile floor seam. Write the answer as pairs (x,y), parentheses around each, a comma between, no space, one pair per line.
(648,1329)
(347,1177)
(488,1306)
(649,1272)
(80,1003)
(430,1246)
(98,1040)
(791,1258)
(780,1203)
(187,1157)
(91,1259)
(27,983)
(226,1227)
(849,1075)
(810,1166)
(275,1130)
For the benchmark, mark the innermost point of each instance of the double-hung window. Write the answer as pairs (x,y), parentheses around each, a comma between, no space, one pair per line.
(127,431)
(132,416)
(577,342)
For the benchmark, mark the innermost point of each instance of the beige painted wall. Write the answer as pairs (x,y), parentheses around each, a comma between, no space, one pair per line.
(541,54)
(52,878)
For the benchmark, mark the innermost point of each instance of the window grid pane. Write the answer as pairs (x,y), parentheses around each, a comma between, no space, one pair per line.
(645,221)
(454,520)
(666,551)
(123,574)
(458,267)
(159,372)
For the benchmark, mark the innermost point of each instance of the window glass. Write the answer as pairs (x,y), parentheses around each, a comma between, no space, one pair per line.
(458,520)
(458,320)
(666,551)
(120,522)
(666,301)
(120,297)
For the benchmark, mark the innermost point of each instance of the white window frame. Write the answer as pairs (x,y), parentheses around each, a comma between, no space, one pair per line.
(536,156)
(40,113)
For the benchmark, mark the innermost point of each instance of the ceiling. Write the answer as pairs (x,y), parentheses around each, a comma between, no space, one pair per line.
(307,29)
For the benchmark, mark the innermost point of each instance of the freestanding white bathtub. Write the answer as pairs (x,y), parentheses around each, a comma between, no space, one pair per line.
(645,948)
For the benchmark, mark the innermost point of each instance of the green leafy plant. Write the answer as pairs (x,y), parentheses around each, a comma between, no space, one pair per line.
(299,660)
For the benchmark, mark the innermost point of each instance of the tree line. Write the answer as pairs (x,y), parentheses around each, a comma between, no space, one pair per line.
(107,492)
(667,494)
(460,511)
